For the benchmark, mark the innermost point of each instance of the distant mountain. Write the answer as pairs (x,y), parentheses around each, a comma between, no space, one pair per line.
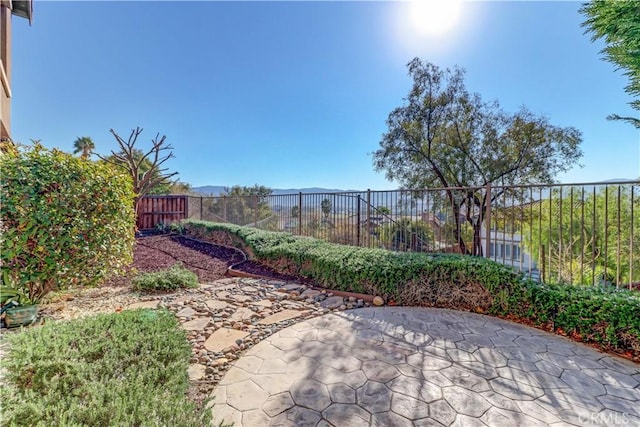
(216,190)
(209,190)
(612,181)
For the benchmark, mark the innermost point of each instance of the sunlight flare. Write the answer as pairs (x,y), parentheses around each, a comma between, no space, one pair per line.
(434,17)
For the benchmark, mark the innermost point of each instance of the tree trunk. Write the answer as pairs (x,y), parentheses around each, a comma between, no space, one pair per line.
(477,239)
(462,247)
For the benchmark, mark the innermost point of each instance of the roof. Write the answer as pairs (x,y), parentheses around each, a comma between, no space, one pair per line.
(23,9)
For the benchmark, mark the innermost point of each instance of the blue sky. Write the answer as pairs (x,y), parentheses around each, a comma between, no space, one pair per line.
(296,94)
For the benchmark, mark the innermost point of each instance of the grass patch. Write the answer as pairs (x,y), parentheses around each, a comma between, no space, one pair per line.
(126,368)
(175,277)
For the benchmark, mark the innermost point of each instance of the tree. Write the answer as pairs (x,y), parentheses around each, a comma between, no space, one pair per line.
(325,205)
(145,168)
(175,187)
(84,146)
(295,211)
(164,185)
(588,240)
(407,235)
(445,136)
(243,205)
(618,23)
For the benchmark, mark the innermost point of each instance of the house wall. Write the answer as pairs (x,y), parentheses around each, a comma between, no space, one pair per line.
(508,249)
(5,69)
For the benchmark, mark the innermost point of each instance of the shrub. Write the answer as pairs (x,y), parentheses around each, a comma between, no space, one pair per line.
(175,277)
(126,368)
(64,220)
(392,275)
(604,315)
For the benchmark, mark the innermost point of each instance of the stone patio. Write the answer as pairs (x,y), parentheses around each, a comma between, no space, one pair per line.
(399,366)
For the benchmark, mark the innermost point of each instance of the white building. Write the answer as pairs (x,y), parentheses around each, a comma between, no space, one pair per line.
(508,249)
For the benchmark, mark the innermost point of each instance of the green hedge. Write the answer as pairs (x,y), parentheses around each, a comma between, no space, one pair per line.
(607,316)
(65,220)
(389,274)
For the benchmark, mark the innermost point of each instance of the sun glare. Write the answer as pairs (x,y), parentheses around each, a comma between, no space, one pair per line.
(434,17)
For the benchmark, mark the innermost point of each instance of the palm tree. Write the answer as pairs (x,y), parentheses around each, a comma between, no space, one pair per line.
(83,145)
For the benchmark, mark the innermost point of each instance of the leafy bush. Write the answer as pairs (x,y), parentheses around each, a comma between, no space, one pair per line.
(175,277)
(65,220)
(376,271)
(407,235)
(127,368)
(604,315)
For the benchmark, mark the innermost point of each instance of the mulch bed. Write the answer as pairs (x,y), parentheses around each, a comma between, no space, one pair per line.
(208,261)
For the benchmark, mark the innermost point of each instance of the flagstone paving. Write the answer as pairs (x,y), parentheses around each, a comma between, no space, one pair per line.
(401,366)
(225,317)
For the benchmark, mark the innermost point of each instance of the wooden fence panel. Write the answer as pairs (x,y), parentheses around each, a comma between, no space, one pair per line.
(154,210)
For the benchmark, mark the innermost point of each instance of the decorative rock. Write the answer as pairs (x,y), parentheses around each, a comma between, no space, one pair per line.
(241,298)
(216,305)
(186,312)
(196,324)
(262,303)
(279,317)
(143,304)
(220,361)
(378,301)
(242,314)
(196,372)
(332,302)
(223,338)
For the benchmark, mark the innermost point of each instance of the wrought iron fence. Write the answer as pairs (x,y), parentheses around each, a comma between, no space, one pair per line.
(572,233)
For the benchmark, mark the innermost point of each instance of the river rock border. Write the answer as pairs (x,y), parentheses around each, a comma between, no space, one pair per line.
(224,318)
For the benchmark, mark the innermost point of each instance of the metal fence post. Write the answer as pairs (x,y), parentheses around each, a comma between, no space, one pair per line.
(358,222)
(300,214)
(487,222)
(368,218)
(224,208)
(201,207)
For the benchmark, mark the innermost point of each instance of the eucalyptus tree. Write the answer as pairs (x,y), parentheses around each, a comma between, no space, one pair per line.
(445,136)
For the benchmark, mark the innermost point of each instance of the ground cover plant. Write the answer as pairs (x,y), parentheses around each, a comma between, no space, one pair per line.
(606,316)
(172,278)
(127,368)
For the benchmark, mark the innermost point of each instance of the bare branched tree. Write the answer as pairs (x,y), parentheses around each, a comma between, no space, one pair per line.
(146,169)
